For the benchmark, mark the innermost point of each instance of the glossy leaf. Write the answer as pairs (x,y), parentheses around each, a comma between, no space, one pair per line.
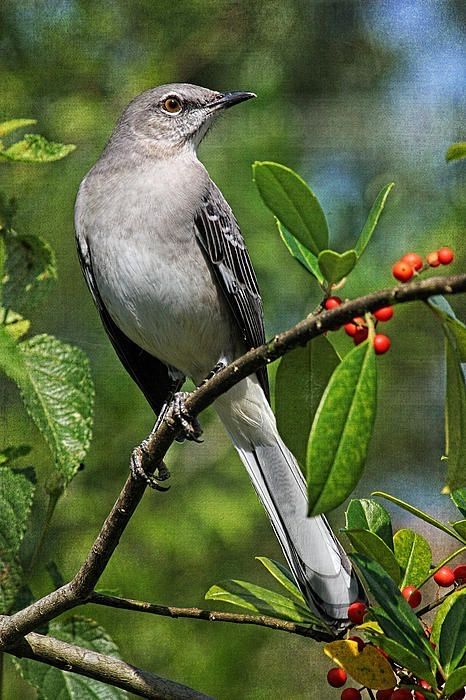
(455,681)
(454,329)
(292,201)
(52,683)
(460,527)
(307,259)
(367,514)
(368,667)
(414,556)
(335,266)
(456,151)
(302,377)
(260,600)
(36,149)
(283,576)
(14,124)
(405,658)
(370,544)
(372,219)
(459,499)
(449,631)
(341,431)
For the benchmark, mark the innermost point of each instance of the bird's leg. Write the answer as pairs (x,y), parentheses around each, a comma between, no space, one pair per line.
(179,415)
(215,370)
(140,454)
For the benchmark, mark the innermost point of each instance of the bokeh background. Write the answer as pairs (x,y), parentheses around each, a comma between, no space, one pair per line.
(352,94)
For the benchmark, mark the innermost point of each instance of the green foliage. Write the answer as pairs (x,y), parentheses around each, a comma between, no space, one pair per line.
(284,577)
(367,514)
(459,499)
(456,151)
(336,266)
(414,556)
(449,631)
(307,259)
(370,544)
(14,124)
(36,149)
(52,683)
(372,219)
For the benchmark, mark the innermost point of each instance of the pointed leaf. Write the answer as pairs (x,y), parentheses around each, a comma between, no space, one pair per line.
(283,576)
(341,431)
(454,329)
(456,151)
(366,514)
(302,377)
(293,203)
(455,681)
(372,219)
(36,149)
(52,683)
(405,658)
(260,600)
(335,266)
(307,259)
(13,124)
(449,631)
(368,667)
(459,499)
(414,556)
(370,544)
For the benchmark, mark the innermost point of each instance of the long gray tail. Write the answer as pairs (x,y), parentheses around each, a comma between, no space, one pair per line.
(319,564)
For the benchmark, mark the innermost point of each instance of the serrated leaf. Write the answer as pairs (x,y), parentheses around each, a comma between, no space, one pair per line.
(29,272)
(53,683)
(455,681)
(36,149)
(341,431)
(58,394)
(283,576)
(366,514)
(449,631)
(372,219)
(456,151)
(414,556)
(292,201)
(302,377)
(335,266)
(10,454)
(405,658)
(459,499)
(370,544)
(368,667)
(14,324)
(14,124)
(307,259)
(260,600)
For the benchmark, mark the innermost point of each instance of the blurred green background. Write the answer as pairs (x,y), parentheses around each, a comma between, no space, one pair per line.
(352,94)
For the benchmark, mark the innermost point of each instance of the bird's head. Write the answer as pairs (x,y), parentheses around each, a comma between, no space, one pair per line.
(176,115)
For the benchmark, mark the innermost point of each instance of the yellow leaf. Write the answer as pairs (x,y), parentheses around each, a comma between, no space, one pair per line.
(371,625)
(368,667)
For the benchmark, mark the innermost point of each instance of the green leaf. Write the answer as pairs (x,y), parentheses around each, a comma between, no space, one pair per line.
(307,259)
(405,658)
(36,149)
(29,272)
(455,681)
(16,494)
(414,556)
(302,377)
(11,362)
(293,203)
(372,219)
(453,328)
(449,631)
(459,499)
(11,454)
(455,421)
(460,527)
(335,266)
(370,544)
(456,151)
(14,124)
(14,324)
(366,514)
(52,683)
(284,577)
(58,394)
(260,600)
(341,431)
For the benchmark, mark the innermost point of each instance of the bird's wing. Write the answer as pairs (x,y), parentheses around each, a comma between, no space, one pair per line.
(218,232)
(155,379)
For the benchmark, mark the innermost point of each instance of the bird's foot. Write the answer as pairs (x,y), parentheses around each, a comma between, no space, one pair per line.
(215,370)
(179,415)
(138,456)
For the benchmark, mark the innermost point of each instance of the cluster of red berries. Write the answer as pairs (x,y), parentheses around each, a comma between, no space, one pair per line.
(444,577)
(358,330)
(412,263)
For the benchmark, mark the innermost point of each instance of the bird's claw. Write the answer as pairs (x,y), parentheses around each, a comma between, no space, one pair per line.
(179,415)
(139,473)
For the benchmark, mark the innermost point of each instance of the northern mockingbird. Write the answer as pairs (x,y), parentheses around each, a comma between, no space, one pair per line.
(171,276)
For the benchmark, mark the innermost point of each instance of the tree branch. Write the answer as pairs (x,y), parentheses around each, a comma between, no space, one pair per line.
(107,669)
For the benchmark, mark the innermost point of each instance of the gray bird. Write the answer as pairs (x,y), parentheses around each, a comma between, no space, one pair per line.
(170,274)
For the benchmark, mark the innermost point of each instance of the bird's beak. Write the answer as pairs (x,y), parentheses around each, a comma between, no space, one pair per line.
(228,99)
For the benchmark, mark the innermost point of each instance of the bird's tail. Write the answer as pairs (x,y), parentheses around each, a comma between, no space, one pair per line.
(319,564)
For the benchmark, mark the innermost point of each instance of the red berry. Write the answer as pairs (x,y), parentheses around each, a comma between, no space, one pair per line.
(401,694)
(402,271)
(332,303)
(337,677)
(360,642)
(412,595)
(444,577)
(445,255)
(361,335)
(432,259)
(414,260)
(351,694)
(384,694)
(458,695)
(460,573)
(424,684)
(384,314)
(350,329)
(356,612)
(381,343)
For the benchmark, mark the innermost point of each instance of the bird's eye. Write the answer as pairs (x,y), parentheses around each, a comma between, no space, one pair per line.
(172,105)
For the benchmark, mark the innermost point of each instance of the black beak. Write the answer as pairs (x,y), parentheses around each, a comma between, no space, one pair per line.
(228,99)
